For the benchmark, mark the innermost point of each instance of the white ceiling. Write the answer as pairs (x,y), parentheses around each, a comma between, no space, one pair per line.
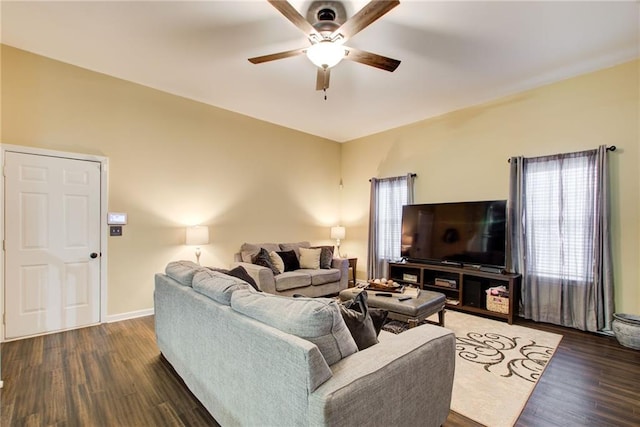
(454,54)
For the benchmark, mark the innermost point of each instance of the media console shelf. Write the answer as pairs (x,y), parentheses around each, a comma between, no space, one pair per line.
(465,288)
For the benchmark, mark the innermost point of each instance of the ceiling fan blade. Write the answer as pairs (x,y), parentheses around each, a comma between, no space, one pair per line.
(322,79)
(289,12)
(372,59)
(274,56)
(365,16)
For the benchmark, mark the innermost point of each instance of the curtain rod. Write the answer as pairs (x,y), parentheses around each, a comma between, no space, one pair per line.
(610,148)
(413,175)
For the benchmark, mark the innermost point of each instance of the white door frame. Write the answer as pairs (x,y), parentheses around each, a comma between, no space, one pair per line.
(104,197)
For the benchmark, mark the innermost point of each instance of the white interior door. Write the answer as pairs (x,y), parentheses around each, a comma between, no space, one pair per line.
(52,244)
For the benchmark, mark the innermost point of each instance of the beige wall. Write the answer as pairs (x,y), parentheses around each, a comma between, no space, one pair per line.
(172,162)
(463,156)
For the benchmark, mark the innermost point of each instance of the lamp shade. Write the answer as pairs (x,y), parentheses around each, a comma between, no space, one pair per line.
(197,235)
(325,54)
(338,232)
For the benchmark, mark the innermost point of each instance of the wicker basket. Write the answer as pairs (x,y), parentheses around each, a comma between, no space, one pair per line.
(498,304)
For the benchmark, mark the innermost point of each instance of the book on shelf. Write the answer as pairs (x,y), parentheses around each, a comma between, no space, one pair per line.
(453,301)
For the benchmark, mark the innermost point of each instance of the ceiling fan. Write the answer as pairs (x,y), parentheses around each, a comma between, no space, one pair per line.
(327,37)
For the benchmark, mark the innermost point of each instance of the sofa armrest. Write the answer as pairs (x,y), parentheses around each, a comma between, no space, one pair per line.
(406,379)
(342,264)
(262,275)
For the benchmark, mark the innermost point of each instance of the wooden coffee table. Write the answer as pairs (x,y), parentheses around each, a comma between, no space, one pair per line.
(412,310)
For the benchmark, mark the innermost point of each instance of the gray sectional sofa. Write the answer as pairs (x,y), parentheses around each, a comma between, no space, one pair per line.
(256,359)
(303,281)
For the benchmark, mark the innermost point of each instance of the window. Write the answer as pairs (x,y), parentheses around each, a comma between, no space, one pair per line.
(560,238)
(392,195)
(385,221)
(559,195)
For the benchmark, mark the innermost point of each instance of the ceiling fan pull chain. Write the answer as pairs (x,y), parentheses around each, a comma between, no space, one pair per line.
(325,93)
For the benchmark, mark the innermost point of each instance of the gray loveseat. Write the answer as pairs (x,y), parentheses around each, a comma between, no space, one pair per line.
(232,347)
(308,282)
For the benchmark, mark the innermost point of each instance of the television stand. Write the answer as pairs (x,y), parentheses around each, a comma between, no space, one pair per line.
(464,288)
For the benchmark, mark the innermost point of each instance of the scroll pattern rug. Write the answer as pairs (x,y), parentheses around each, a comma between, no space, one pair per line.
(497,366)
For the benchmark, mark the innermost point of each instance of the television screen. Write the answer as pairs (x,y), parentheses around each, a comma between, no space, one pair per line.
(472,233)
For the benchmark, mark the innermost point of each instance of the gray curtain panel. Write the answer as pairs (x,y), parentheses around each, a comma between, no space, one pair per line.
(373,259)
(560,238)
(388,195)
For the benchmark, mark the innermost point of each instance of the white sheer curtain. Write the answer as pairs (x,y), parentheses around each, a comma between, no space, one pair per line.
(559,228)
(388,195)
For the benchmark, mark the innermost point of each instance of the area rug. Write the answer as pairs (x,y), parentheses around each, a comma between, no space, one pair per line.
(497,366)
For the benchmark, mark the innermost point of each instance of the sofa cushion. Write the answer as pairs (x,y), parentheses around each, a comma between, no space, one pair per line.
(310,258)
(315,319)
(249,250)
(321,277)
(182,271)
(290,260)
(294,247)
(326,256)
(263,259)
(218,286)
(292,280)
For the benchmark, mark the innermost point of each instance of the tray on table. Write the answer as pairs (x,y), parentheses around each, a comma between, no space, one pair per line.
(396,289)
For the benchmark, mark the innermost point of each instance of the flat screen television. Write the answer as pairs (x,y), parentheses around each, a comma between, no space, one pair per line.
(464,233)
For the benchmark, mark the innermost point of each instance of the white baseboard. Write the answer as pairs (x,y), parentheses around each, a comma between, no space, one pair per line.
(130,315)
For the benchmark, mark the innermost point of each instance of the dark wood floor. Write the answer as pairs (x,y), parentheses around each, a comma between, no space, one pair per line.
(112,375)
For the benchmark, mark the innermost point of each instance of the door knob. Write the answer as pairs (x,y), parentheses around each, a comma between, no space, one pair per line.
(93,255)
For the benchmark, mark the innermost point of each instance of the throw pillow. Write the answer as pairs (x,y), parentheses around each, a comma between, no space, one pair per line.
(378,315)
(326,256)
(238,272)
(359,321)
(290,260)
(242,274)
(263,259)
(277,261)
(250,250)
(310,258)
(315,319)
(294,247)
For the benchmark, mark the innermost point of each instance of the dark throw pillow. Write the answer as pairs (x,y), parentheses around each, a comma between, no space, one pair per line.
(240,273)
(378,315)
(359,321)
(290,260)
(326,256)
(263,259)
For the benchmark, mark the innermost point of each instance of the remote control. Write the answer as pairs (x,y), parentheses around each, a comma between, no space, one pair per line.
(403,298)
(382,295)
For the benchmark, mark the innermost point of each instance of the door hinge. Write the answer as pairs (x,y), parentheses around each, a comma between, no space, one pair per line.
(3,246)
(4,316)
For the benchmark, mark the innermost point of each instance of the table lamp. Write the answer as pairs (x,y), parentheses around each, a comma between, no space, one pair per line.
(338,233)
(196,236)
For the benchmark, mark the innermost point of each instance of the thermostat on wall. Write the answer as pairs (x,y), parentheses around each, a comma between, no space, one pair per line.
(116,218)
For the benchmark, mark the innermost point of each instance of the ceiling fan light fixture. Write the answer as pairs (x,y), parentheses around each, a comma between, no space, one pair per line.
(325,54)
